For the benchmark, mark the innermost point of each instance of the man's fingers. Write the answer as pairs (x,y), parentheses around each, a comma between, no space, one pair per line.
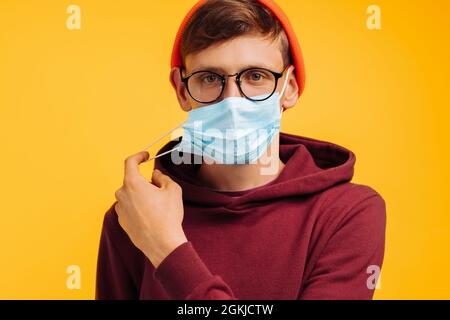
(163,181)
(132,164)
(159,179)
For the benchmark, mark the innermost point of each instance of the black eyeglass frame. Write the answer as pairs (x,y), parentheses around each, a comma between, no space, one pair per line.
(224,77)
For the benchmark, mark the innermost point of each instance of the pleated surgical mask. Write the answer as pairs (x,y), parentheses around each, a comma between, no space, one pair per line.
(233,131)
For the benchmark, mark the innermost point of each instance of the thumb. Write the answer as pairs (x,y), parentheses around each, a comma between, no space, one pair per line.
(161,180)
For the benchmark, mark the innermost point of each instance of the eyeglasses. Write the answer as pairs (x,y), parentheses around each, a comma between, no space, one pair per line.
(255,84)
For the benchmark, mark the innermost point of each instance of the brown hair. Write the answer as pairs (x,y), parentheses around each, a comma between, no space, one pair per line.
(220,20)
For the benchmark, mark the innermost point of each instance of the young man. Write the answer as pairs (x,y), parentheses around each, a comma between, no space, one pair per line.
(267,218)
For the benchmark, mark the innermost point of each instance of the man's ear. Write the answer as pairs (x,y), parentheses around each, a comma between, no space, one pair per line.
(180,89)
(291,94)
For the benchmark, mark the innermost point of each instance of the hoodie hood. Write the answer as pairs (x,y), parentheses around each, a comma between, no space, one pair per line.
(311,166)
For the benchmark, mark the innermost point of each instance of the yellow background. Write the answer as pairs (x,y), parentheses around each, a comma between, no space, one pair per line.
(75,103)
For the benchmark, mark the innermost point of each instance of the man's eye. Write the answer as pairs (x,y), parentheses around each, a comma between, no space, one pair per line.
(210,79)
(255,76)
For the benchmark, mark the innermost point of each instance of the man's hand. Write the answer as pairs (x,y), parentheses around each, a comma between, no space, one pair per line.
(150,213)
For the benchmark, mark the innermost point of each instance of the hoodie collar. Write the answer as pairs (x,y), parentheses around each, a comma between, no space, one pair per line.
(311,166)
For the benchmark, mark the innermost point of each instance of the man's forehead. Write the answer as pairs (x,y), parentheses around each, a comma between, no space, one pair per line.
(237,54)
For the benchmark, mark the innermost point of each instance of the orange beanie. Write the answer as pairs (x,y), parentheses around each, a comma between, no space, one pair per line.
(296,51)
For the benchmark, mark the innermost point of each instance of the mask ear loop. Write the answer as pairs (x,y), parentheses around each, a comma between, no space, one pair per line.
(283,90)
(160,138)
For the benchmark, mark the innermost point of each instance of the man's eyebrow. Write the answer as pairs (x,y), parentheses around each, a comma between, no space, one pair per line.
(222,71)
(208,68)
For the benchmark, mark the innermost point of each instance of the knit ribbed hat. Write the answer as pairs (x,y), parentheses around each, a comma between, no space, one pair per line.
(294,45)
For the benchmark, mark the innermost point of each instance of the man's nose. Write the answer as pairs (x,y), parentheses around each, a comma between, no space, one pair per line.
(231,88)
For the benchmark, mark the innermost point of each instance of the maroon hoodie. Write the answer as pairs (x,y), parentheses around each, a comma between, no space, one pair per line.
(309,234)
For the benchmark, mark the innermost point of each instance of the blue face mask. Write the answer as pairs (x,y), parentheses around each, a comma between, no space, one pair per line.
(233,131)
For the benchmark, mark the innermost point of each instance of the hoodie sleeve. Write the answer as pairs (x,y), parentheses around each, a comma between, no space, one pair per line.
(114,279)
(184,276)
(342,271)
(345,268)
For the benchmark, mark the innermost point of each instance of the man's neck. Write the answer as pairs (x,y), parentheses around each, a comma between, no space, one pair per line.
(222,177)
